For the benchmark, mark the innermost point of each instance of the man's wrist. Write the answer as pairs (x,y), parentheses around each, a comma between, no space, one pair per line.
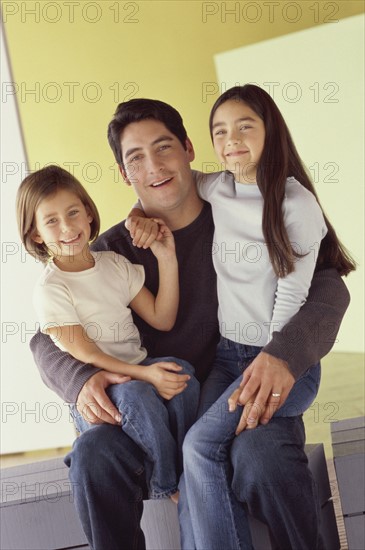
(281,352)
(273,360)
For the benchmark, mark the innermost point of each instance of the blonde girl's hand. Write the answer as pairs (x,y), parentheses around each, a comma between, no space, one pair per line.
(166,378)
(164,246)
(143,231)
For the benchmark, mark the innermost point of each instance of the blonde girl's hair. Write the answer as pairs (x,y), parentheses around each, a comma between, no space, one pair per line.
(36,187)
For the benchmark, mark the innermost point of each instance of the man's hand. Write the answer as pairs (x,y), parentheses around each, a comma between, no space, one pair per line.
(94,404)
(144,231)
(265,385)
(162,376)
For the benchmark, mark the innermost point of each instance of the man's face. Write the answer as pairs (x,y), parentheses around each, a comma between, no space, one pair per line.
(157,165)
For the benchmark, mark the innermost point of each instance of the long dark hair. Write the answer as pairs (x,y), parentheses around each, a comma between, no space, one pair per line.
(278,161)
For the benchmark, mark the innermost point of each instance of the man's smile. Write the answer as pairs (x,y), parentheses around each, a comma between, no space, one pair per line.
(161,182)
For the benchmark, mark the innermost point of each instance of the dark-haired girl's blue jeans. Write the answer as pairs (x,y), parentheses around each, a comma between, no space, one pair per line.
(265,467)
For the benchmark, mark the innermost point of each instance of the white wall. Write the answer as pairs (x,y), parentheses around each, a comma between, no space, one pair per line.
(32,417)
(316,77)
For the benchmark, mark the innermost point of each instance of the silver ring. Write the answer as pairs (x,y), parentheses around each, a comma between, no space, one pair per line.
(276,394)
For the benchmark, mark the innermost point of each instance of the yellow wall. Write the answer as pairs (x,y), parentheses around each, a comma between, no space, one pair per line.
(160,49)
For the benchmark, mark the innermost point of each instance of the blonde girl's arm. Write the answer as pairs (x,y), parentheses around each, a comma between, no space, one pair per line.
(163,375)
(144,231)
(74,339)
(161,311)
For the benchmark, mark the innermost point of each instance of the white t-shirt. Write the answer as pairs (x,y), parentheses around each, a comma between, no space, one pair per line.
(253,301)
(98,300)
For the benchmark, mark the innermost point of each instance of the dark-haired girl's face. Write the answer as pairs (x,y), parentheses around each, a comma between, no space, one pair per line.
(238,139)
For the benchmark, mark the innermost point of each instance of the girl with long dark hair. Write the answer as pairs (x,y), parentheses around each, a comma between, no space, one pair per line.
(270,236)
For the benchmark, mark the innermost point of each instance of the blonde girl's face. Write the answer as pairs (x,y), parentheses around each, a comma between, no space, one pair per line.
(63,225)
(238,139)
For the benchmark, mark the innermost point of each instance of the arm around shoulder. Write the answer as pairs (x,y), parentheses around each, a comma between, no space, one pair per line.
(58,369)
(311,333)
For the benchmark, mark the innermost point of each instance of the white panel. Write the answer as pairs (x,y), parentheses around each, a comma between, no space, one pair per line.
(316,77)
(32,417)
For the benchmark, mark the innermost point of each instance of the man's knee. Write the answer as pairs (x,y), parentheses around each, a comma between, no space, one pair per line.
(268,460)
(265,448)
(105,455)
(89,448)
(251,450)
(254,464)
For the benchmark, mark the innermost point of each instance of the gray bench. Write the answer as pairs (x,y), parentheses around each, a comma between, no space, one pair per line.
(37,510)
(348,443)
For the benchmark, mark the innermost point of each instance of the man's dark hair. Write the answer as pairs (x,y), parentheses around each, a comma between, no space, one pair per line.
(136,110)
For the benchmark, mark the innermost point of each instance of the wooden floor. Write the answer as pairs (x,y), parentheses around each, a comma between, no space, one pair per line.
(341,396)
(6,461)
(337,504)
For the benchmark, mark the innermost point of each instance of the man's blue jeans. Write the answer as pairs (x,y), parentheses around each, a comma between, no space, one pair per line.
(156,425)
(109,485)
(265,468)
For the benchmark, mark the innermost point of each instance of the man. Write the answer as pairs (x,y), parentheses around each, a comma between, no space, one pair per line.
(154,153)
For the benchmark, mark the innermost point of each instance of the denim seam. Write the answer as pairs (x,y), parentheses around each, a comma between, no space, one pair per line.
(224,476)
(146,450)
